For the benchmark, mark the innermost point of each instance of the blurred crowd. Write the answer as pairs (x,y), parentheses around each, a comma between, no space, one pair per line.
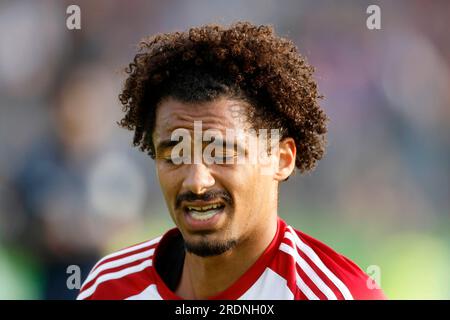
(71,182)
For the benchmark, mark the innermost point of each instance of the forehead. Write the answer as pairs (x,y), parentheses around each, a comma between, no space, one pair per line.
(220,114)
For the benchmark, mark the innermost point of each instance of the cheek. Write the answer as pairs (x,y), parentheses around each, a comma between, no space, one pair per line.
(242,183)
(167,181)
(254,188)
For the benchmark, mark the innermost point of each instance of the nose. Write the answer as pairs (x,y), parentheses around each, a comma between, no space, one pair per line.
(198,178)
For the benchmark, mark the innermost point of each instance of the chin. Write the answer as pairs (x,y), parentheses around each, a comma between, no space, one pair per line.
(208,248)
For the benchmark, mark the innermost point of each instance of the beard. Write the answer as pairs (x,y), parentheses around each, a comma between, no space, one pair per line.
(204,248)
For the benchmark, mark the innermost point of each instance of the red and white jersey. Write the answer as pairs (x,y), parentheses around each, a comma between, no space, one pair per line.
(293,266)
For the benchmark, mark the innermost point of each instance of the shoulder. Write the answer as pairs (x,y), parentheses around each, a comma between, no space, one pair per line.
(121,274)
(322,273)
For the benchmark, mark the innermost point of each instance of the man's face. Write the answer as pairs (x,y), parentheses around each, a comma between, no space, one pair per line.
(215,206)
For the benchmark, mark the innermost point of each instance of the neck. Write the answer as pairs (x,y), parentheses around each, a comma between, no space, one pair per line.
(205,277)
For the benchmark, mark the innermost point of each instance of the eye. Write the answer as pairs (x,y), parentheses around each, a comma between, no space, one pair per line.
(225,157)
(176,161)
(173,161)
(168,160)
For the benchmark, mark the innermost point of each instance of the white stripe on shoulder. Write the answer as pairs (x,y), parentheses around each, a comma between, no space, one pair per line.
(114,275)
(305,288)
(118,263)
(127,250)
(309,271)
(318,262)
(301,284)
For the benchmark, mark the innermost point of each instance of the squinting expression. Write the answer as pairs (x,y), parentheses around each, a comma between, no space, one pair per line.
(215,206)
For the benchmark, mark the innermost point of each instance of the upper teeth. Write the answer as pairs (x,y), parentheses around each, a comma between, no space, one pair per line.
(205,208)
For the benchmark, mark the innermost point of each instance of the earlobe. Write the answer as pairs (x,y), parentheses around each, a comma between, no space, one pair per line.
(287,154)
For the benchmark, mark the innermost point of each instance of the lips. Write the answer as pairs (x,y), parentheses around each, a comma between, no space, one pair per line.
(203,215)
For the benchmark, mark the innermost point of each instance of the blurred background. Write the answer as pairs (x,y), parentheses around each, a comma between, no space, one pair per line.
(72,187)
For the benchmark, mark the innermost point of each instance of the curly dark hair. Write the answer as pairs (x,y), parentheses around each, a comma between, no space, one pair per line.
(242,61)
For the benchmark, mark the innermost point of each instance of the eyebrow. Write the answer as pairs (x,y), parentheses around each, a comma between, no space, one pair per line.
(236,146)
(166,144)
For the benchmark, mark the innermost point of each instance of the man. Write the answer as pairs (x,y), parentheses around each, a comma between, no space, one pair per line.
(196,87)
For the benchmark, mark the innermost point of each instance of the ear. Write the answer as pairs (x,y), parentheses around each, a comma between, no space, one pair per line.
(286,159)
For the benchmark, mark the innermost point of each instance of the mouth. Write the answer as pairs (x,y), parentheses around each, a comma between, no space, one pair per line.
(203,215)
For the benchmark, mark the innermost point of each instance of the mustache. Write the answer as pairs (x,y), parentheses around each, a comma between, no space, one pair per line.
(207,196)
